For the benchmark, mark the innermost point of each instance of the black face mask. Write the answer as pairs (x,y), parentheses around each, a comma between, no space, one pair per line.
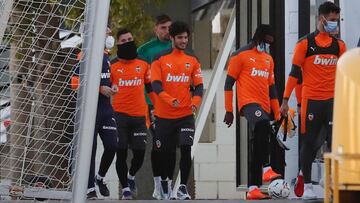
(127,50)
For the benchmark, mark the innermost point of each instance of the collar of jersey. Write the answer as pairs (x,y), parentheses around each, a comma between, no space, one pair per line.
(162,42)
(177,51)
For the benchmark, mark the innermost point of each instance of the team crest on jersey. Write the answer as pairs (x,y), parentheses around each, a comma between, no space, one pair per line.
(267,61)
(158,144)
(138,69)
(258,113)
(311,116)
(187,65)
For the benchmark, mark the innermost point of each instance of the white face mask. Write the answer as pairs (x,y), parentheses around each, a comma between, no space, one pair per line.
(109,42)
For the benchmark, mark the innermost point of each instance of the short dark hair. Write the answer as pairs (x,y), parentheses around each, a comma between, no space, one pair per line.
(121,31)
(163,18)
(328,7)
(261,31)
(178,27)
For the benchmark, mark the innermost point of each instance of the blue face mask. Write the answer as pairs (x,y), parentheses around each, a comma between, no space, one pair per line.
(330,26)
(263,47)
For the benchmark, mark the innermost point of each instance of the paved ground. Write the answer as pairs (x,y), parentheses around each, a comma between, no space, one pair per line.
(173,201)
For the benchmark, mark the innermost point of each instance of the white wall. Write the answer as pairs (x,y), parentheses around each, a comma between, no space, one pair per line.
(350,22)
(214,163)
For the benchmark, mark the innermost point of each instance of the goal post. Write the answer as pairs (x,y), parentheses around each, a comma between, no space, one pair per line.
(39,44)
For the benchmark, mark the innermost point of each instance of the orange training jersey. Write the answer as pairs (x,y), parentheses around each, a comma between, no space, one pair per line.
(177,70)
(130,76)
(318,64)
(254,73)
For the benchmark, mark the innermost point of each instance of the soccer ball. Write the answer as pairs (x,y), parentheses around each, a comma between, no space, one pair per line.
(279,189)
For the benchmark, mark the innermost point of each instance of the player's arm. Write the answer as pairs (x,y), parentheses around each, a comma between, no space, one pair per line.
(231,77)
(274,101)
(295,74)
(157,86)
(342,47)
(197,80)
(105,83)
(148,87)
(298,91)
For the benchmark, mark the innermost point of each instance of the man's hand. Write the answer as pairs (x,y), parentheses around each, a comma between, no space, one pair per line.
(175,103)
(229,118)
(284,107)
(107,91)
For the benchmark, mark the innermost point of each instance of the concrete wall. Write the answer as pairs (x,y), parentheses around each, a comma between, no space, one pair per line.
(214,164)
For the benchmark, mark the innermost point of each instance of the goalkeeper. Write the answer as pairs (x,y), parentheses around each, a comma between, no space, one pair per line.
(105,124)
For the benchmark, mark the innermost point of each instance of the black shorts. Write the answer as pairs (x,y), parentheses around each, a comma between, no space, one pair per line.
(318,116)
(170,133)
(254,113)
(132,131)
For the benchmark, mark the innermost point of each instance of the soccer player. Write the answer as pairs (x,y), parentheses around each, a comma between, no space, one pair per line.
(253,71)
(173,71)
(130,75)
(315,58)
(105,124)
(148,51)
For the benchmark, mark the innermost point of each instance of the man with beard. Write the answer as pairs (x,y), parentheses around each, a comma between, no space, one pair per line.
(315,58)
(130,75)
(173,71)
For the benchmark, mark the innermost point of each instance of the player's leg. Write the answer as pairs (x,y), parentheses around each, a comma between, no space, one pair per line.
(310,144)
(91,193)
(260,126)
(137,142)
(109,137)
(155,159)
(121,154)
(165,144)
(186,133)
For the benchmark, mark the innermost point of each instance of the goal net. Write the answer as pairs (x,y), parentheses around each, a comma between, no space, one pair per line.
(39,43)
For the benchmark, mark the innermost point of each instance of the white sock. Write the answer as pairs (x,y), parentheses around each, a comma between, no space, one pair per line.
(99,177)
(169,185)
(300,173)
(126,189)
(307,185)
(130,176)
(252,187)
(265,169)
(157,182)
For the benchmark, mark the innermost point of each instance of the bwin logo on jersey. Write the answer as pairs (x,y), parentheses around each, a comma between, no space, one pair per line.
(325,61)
(134,82)
(177,78)
(105,75)
(260,73)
